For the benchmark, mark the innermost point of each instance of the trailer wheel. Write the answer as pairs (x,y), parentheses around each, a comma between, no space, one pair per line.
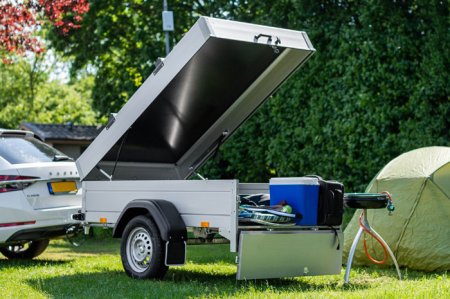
(142,249)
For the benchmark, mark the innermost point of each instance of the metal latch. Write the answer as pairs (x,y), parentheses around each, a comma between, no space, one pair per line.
(269,41)
(159,63)
(111,120)
(269,38)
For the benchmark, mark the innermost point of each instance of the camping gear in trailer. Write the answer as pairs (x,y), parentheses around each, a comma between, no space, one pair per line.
(300,193)
(331,202)
(315,201)
(134,173)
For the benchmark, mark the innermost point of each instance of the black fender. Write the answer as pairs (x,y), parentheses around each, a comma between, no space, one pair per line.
(168,220)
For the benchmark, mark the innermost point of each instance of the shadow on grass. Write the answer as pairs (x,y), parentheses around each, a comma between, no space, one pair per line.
(178,283)
(194,280)
(7,264)
(210,254)
(303,284)
(91,246)
(390,271)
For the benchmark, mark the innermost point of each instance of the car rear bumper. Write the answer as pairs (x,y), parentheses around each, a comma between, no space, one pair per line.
(48,223)
(40,233)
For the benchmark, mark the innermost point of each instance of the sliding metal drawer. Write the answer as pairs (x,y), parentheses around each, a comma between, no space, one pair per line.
(274,254)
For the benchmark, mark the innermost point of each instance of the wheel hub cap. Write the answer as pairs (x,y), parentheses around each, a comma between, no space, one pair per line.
(139,249)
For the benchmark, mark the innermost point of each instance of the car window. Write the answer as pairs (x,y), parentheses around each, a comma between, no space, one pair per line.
(18,150)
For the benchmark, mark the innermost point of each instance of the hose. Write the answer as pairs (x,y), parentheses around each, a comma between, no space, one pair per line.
(368,231)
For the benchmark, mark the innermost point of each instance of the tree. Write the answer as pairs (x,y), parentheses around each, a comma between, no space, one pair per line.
(27,95)
(19,82)
(20,20)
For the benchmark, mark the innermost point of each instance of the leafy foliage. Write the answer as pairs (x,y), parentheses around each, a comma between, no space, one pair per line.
(27,95)
(20,19)
(377,86)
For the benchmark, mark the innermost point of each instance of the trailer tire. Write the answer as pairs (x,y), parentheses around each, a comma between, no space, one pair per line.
(142,249)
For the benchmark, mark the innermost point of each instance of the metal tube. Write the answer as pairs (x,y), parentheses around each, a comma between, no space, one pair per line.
(355,243)
(390,252)
(167,43)
(366,223)
(351,254)
(166,8)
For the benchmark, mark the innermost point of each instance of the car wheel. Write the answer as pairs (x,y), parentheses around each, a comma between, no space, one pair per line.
(142,249)
(25,251)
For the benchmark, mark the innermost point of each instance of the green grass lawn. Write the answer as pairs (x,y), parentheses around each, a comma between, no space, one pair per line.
(94,270)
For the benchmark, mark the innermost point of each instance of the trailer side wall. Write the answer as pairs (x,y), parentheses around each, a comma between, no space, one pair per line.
(212,201)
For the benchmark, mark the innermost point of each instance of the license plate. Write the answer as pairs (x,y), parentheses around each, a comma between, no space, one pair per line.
(62,187)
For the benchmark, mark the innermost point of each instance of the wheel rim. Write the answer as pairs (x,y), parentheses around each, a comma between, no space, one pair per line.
(139,249)
(19,248)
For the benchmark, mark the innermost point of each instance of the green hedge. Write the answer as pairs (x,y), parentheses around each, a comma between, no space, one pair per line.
(378,86)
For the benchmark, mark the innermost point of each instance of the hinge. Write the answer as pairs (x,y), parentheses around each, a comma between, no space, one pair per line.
(159,63)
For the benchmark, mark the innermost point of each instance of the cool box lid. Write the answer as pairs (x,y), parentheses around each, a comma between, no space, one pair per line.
(294,181)
(211,82)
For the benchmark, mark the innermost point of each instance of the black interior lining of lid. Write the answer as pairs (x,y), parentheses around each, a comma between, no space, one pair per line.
(193,101)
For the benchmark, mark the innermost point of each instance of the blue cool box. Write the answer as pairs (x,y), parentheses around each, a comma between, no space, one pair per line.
(302,194)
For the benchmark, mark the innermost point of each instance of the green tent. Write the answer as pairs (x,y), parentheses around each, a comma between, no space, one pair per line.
(418,232)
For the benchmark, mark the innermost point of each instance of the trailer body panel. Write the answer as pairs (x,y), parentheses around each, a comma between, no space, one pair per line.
(210,201)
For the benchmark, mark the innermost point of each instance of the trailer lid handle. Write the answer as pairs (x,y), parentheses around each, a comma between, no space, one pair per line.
(269,38)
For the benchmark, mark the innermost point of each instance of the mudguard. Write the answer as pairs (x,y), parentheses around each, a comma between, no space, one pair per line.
(168,220)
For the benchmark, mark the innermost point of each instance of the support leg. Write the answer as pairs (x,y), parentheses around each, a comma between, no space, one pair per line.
(390,252)
(351,254)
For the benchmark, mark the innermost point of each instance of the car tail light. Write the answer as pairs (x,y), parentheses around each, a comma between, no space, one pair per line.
(17,223)
(10,183)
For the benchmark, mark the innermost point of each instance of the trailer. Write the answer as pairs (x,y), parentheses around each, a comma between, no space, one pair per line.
(137,174)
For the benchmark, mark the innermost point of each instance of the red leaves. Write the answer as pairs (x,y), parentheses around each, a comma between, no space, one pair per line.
(65,13)
(16,22)
(19,20)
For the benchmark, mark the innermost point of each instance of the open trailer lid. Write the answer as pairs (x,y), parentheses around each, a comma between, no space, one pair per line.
(211,82)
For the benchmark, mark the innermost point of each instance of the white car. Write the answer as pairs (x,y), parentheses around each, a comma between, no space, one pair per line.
(39,192)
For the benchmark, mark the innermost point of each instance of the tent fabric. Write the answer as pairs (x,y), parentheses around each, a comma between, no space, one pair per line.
(418,231)
(420,163)
(441,176)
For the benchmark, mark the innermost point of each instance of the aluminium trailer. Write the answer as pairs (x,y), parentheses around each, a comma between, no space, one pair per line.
(135,173)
